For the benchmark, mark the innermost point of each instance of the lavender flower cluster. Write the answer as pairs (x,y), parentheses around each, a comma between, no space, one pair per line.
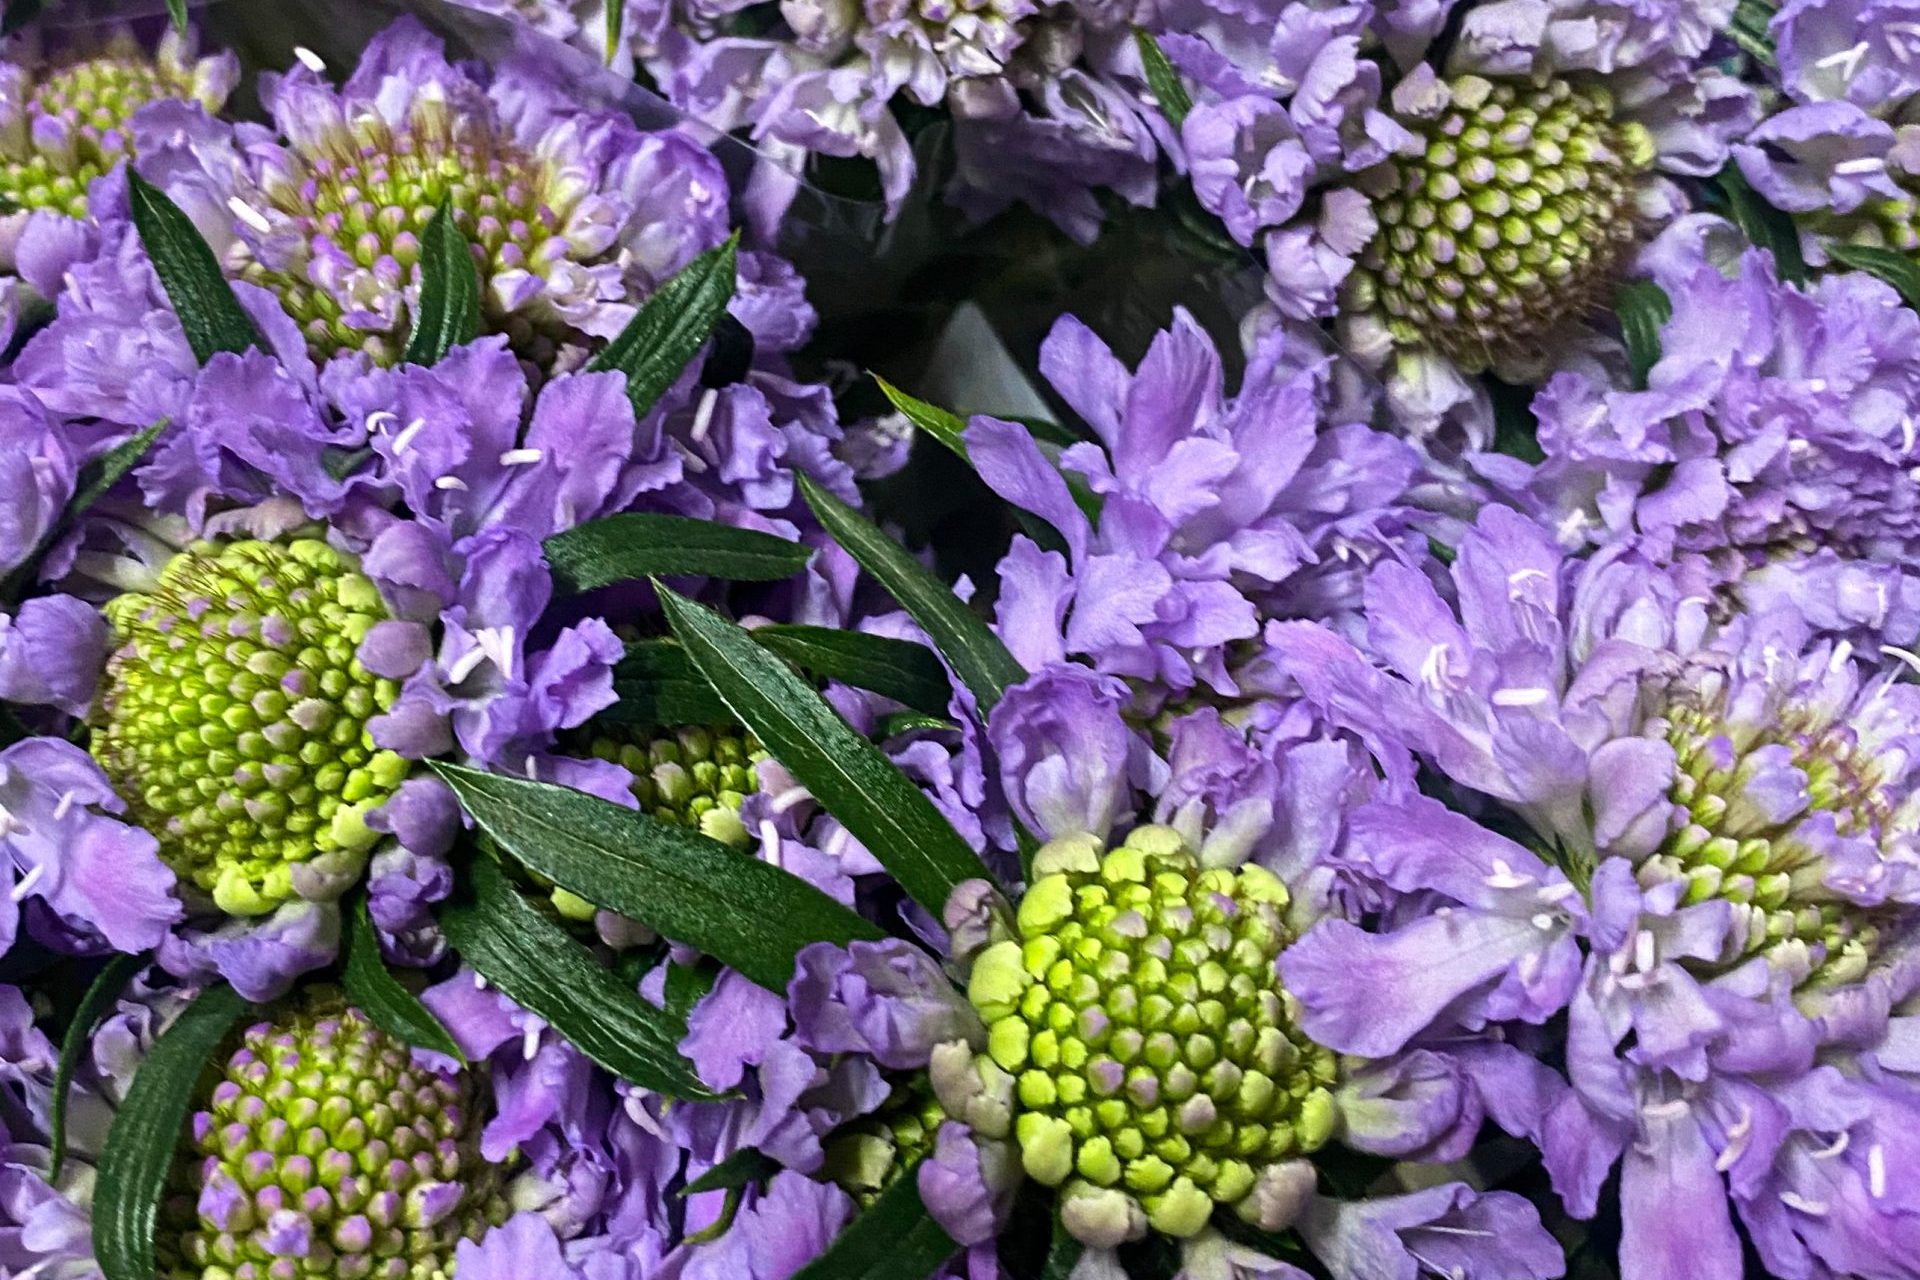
(1428,787)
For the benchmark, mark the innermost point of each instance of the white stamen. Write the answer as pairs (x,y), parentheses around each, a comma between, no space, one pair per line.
(27,881)
(1544,922)
(450,483)
(703,414)
(479,982)
(1794,1200)
(1644,956)
(309,59)
(498,644)
(248,214)
(1907,656)
(1877,1171)
(519,457)
(1433,669)
(1841,652)
(1840,1144)
(530,1042)
(533,768)
(1847,60)
(769,842)
(466,664)
(789,798)
(1504,876)
(1557,892)
(61,810)
(380,420)
(1865,164)
(1520,697)
(1671,1109)
(407,433)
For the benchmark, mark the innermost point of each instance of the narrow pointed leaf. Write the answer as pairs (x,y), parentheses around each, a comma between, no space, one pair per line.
(908,673)
(616,27)
(942,425)
(1894,266)
(1064,1255)
(1175,102)
(642,545)
(209,312)
(178,10)
(534,962)
(656,685)
(883,809)
(895,1239)
(381,996)
(1643,307)
(983,663)
(749,915)
(671,326)
(146,1130)
(105,989)
(1764,225)
(449,311)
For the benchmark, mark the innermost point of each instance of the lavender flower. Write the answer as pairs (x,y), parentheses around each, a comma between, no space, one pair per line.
(68,117)
(1773,458)
(1733,809)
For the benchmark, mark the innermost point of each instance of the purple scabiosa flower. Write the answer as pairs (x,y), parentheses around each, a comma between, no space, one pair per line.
(1840,149)
(573,215)
(70,115)
(1776,458)
(1212,511)
(1716,884)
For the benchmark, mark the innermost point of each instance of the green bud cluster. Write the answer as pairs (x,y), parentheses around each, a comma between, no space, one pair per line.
(234,717)
(1882,224)
(361,197)
(323,1151)
(1157,1064)
(90,102)
(1723,846)
(864,1157)
(1512,219)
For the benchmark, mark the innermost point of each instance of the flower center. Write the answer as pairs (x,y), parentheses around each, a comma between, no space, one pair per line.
(323,1150)
(348,215)
(1765,814)
(1154,1050)
(1512,219)
(74,128)
(234,719)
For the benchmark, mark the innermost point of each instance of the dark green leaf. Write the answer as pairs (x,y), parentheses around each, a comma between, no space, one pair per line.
(106,989)
(671,326)
(1064,1254)
(534,962)
(449,312)
(895,1239)
(640,545)
(18,14)
(883,809)
(1892,265)
(378,994)
(1767,227)
(341,463)
(616,27)
(744,1168)
(201,297)
(983,663)
(1515,428)
(1162,79)
(656,685)
(1751,29)
(688,984)
(146,1130)
(1643,307)
(749,915)
(943,426)
(908,673)
(178,8)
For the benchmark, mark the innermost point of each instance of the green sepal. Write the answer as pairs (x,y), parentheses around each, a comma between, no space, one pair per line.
(671,326)
(877,803)
(449,311)
(376,992)
(202,298)
(145,1136)
(895,1239)
(750,915)
(530,958)
(622,548)
(101,994)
